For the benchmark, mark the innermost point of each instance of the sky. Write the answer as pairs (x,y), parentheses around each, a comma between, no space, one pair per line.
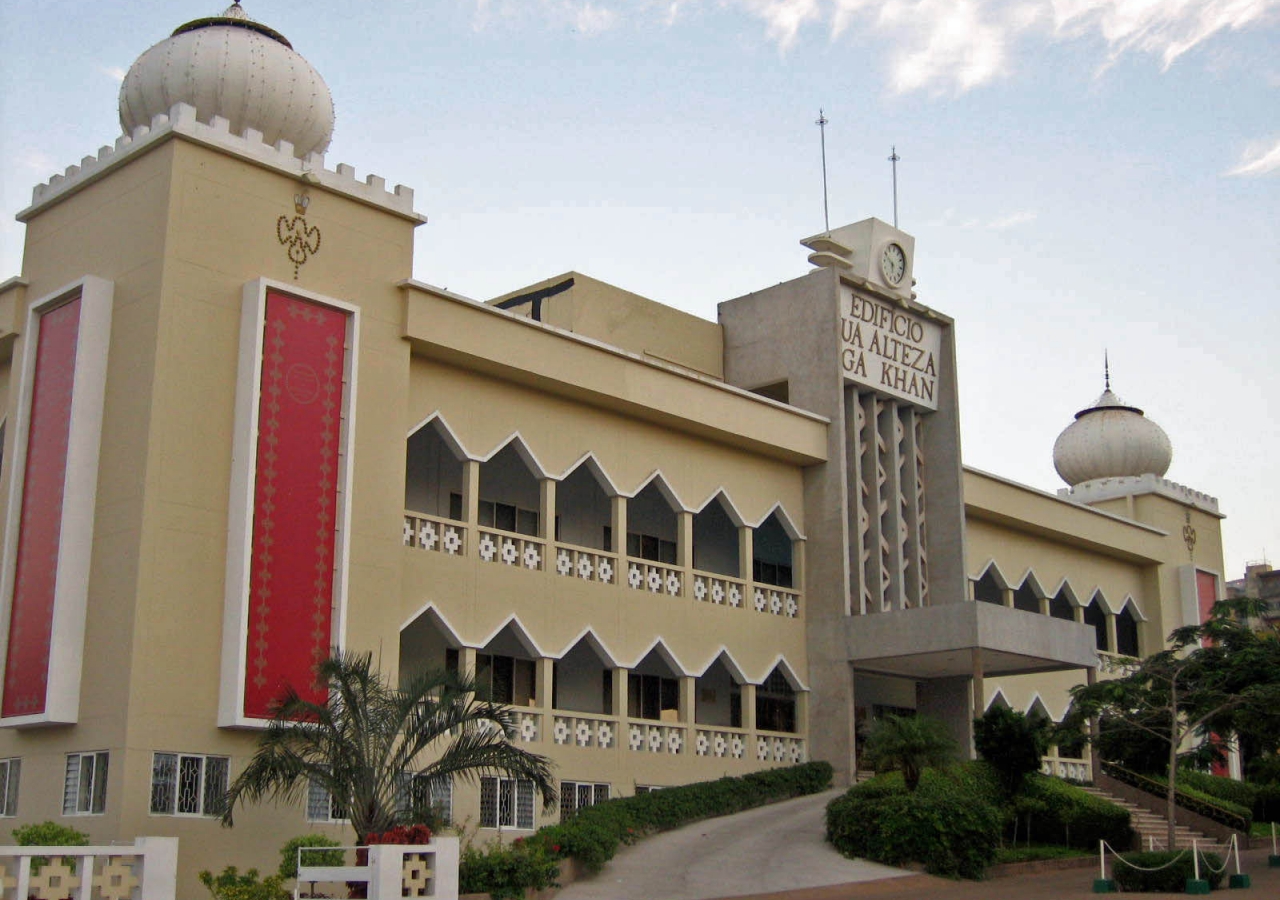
(1081,176)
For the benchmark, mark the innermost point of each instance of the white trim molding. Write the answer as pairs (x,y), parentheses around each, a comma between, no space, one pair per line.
(79,498)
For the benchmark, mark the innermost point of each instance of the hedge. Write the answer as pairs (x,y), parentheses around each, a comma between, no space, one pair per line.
(1239,794)
(1167,880)
(1266,804)
(593,834)
(949,823)
(1075,818)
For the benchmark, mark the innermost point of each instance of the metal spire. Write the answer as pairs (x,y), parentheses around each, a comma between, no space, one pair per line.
(1106,371)
(893,158)
(822,128)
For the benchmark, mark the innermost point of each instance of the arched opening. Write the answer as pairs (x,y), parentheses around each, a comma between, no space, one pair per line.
(715,540)
(1127,632)
(1096,616)
(433,473)
(427,644)
(1027,597)
(987,589)
(1061,607)
(506,669)
(582,680)
(653,689)
(772,553)
(652,527)
(776,703)
(509,495)
(718,697)
(583,510)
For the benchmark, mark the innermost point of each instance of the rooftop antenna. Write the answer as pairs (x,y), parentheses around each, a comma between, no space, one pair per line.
(822,128)
(893,158)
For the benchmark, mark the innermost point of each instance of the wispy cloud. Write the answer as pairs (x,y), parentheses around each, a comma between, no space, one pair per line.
(934,45)
(36,161)
(1258,159)
(113,72)
(1012,220)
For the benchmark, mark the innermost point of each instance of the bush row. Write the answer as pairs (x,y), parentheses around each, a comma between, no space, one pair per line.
(1168,878)
(948,823)
(1262,798)
(593,835)
(952,822)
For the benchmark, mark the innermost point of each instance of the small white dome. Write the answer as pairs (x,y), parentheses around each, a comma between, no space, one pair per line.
(236,68)
(1111,440)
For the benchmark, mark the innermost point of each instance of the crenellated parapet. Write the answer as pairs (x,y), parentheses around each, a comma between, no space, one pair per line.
(181,121)
(1110,488)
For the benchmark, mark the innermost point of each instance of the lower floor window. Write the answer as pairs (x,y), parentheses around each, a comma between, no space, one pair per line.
(9,771)
(576,795)
(431,796)
(323,806)
(506,803)
(186,784)
(84,790)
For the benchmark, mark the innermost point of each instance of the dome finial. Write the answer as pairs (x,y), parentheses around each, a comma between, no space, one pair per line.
(1106,367)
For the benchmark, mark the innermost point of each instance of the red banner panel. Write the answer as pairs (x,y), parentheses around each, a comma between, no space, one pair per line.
(26,671)
(295,503)
(1206,592)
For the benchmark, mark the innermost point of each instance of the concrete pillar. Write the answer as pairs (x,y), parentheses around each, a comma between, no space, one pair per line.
(688,698)
(979,691)
(746,552)
(749,707)
(620,696)
(1006,597)
(471,494)
(684,540)
(1095,728)
(547,510)
(467,662)
(1112,641)
(618,527)
(950,701)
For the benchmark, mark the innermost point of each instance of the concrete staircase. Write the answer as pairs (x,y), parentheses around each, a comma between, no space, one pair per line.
(1153,829)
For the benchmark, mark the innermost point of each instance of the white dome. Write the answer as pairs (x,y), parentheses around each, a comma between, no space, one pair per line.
(233,67)
(1111,440)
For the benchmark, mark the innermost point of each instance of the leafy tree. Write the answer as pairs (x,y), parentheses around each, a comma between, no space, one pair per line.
(1221,677)
(1012,743)
(909,743)
(361,743)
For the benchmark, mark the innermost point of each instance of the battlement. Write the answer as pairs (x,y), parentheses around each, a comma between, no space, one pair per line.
(279,157)
(1110,488)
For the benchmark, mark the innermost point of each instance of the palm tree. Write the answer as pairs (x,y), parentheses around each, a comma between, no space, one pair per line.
(362,744)
(910,743)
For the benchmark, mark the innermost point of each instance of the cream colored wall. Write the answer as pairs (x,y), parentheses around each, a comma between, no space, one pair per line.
(637,324)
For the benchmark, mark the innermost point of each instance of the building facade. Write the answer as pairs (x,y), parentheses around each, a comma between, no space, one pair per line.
(238,433)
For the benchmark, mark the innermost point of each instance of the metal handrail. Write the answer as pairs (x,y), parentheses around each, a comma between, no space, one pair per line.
(1194,804)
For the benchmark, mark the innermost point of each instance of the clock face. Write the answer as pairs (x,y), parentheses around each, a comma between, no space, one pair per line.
(893,264)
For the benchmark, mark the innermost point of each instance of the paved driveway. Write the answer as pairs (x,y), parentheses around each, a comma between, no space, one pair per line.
(773,848)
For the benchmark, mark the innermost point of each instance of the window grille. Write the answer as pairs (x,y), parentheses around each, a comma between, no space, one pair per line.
(506,803)
(188,784)
(84,790)
(10,769)
(576,795)
(323,806)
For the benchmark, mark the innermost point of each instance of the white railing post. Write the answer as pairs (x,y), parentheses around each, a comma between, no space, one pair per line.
(24,877)
(445,867)
(386,864)
(159,878)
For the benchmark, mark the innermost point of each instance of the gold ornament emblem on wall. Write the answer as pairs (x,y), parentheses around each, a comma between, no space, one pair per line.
(1189,534)
(300,241)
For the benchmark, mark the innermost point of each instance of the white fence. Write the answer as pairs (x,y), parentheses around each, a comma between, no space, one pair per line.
(144,870)
(393,871)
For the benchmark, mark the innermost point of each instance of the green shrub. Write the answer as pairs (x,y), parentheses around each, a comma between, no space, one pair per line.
(1240,793)
(1172,879)
(289,854)
(1266,803)
(49,834)
(1191,796)
(1073,817)
(1012,743)
(592,835)
(231,885)
(505,872)
(1264,769)
(950,822)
